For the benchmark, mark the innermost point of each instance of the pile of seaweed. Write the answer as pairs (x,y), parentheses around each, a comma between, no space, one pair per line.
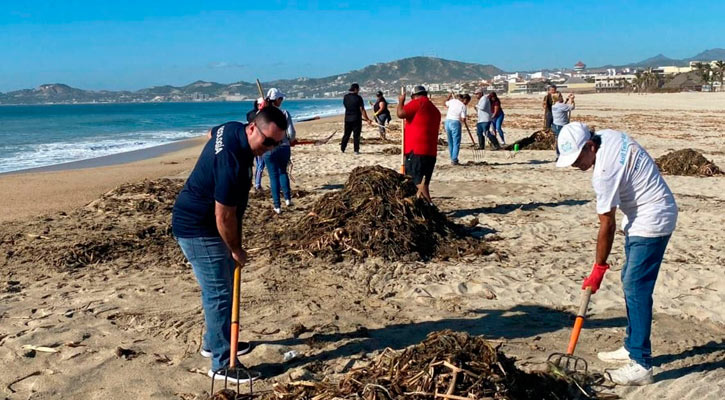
(446,365)
(377,214)
(392,150)
(539,140)
(130,224)
(687,162)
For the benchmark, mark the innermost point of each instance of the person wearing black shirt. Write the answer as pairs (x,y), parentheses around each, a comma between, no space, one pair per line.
(354,115)
(207,217)
(382,113)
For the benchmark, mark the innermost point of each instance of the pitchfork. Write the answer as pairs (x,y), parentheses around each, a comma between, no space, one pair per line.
(238,372)
(475,149)
(569,363)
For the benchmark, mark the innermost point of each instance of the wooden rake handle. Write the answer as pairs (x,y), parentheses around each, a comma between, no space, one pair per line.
(235,316)
(579,322)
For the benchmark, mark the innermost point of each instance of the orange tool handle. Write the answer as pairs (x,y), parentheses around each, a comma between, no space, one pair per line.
(235,316)
(579,322)
(575,335)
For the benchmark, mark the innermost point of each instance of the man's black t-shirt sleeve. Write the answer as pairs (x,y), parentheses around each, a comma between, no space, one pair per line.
(226,176)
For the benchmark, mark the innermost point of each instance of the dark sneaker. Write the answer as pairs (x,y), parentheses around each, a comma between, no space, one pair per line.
(242,349)
(237,375)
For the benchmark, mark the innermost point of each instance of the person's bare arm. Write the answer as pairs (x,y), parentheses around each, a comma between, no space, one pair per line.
(400,110)
(208,134)
(605,238)
(365,115)
(226,223)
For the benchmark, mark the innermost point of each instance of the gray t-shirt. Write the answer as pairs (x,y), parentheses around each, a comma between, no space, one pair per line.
(484,109)
(560,112)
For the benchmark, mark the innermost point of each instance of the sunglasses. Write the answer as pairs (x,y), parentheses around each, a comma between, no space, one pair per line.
(268,141)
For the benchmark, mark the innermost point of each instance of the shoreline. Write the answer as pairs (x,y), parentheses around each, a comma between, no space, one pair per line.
(113,159)
(126,157)
(62,187)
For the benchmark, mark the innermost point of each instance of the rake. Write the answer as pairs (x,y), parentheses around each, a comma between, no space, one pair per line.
(568,363)
(238,370)
(477,151)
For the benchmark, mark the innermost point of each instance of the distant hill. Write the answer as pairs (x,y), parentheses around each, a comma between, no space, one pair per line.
(658,60)
(709,55)
(382,76)
(662,60)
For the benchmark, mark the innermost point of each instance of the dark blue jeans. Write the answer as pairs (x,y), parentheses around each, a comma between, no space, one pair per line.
(639,274)
(258,171)
(481,129)
(556,129)
(276,161)
(213,267)
(497,125)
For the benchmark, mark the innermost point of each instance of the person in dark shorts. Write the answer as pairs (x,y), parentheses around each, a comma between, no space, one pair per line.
(382,113)
(422,121)
(354,115)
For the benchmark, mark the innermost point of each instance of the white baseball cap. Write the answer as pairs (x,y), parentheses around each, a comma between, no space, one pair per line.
(571,141)
(274,94)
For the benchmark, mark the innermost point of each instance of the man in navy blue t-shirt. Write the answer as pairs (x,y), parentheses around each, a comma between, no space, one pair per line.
(207,222)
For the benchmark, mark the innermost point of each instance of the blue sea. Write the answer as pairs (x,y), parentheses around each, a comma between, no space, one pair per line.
(42,135)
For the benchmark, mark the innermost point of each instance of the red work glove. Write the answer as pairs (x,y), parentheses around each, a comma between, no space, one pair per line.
(595,278)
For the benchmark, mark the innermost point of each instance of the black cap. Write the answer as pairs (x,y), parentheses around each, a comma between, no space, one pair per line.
(354,87)
(379,93)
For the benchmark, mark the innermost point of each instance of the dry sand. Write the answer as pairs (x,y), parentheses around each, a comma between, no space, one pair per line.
(541,220)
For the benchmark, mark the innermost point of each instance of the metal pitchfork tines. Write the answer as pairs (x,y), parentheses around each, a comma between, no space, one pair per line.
(567,363)
(228,394)
(477,150)
(238,371)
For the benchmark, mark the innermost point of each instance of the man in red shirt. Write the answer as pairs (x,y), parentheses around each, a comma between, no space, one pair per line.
(422,120)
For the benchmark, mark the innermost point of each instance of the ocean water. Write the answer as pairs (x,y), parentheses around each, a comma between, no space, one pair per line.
(42,135)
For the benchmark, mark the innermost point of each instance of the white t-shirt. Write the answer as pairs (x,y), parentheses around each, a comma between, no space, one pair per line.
(456,110)
(625,176)
(484,109)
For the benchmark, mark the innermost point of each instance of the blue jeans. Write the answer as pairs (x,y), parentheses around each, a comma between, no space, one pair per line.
(258,171)
(277,161)
(639,274)
(213,267)
(556,129)
(453,131)
(481,128)
(497,126)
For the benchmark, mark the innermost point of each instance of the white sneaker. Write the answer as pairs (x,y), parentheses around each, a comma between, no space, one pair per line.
(621,355)
(288,203)
(237,375)
(631,374)
(278,210)
(242,349)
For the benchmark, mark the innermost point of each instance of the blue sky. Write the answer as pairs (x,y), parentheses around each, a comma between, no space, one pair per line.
(134,44)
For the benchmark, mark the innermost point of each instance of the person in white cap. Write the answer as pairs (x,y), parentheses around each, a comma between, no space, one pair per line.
(258,160)
(278,159)
(625,177)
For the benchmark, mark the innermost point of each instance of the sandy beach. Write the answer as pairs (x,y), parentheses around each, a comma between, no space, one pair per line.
(540,220)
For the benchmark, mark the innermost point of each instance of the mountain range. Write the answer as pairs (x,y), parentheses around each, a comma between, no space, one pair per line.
(381,76)
(661,59)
